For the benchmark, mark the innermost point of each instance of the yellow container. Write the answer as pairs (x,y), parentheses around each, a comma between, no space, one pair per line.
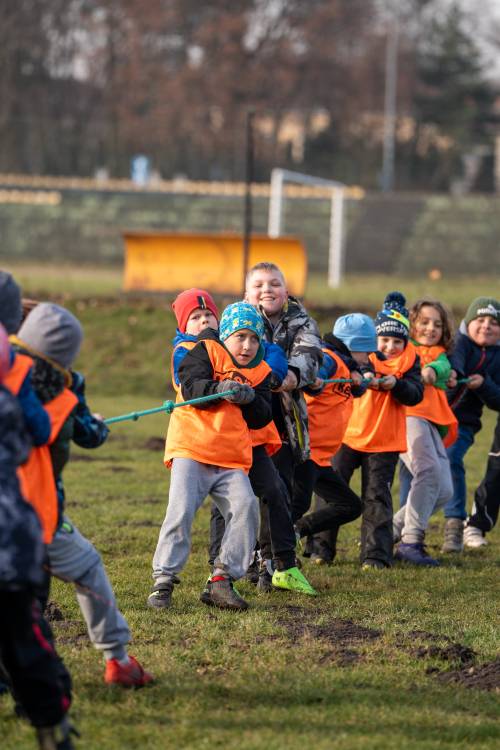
(171,262)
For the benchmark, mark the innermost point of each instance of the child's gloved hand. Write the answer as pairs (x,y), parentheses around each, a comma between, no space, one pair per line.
(243,394)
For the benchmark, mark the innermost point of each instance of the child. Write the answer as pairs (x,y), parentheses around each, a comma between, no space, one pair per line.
(430,427)
(52,336)
(475,356)
(195,310)
(209,449)
(486,498)
(329,410)
(376,433)
(287,324)
(39,680)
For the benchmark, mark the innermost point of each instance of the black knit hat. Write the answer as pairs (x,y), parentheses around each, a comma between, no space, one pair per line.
(392,320)
(11,309)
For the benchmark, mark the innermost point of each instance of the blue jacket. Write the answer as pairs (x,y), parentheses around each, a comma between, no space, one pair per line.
(273,355)
(467,358)
(36,419)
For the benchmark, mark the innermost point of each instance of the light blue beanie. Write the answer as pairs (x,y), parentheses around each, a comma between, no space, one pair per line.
(357,332)
(240,315)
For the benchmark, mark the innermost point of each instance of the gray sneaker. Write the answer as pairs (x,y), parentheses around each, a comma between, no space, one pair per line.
(222,594)
(453,535)
(161,595)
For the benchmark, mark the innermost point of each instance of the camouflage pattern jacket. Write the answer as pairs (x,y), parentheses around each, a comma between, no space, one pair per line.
(21,549)
(298,335)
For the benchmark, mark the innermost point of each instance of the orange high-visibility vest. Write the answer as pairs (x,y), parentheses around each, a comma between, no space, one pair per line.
(434,406)
(378,421)
(36,476)
(17,373)
(329,414)
(218,435)
(267,436)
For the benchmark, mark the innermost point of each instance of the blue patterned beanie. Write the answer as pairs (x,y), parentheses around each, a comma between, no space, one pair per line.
(240,315)
(392,320)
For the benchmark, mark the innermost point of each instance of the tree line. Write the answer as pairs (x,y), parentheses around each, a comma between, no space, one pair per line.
(87,84)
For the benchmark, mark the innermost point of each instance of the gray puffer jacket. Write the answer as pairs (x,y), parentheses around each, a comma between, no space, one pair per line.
(298,335)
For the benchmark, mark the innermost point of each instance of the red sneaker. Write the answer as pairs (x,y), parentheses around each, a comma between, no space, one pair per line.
(130,675)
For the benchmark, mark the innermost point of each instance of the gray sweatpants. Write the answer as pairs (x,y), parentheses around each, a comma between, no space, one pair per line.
(74,559)
(431,484)
(190,483)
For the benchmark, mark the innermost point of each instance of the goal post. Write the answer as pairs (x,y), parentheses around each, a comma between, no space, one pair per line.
(336,234)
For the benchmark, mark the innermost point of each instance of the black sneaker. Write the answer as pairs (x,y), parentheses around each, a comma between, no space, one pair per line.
(161,595)
(221,593)
(265,582)
(252,574)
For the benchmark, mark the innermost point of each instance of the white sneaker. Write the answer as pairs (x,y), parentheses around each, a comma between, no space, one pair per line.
(474,538)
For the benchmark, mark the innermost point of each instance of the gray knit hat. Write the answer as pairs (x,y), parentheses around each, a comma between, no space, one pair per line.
(54,332)
(482,306)
(11,309)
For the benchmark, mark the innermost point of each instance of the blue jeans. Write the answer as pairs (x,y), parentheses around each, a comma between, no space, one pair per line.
(405,478)
(457,506)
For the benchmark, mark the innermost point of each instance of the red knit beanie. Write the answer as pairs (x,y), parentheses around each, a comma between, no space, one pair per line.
(184,304)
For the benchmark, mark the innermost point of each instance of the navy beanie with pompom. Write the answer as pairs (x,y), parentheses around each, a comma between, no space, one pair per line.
(392,320)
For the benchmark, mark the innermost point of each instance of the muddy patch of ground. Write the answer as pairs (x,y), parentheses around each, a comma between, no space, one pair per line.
(441,648)
(155,444)
(341,634)
(482,677)
(53,613)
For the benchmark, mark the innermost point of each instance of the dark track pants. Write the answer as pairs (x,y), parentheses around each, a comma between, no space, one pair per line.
(338,504)
(487,496)
(377,474)
(40,682)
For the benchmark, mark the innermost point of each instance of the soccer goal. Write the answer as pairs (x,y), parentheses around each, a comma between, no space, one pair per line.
(336,235)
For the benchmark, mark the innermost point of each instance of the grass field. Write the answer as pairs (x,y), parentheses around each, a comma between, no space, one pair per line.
(363,667)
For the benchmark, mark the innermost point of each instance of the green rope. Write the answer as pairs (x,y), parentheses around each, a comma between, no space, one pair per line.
(167,406)
(338,380)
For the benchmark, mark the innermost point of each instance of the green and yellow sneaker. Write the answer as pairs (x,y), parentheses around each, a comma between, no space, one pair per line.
(293,580)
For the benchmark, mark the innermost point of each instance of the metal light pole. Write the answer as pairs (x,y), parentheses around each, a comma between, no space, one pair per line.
(391,79)
(247,232)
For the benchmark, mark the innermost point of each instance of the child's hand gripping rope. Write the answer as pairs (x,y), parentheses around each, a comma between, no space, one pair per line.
(169,406)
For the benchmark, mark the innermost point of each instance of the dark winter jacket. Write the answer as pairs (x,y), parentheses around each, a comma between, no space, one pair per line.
(298,335)
(467,358)
(21,548)
(196,377)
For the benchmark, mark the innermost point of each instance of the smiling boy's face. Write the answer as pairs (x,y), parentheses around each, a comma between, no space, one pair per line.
(484,331)
(243,346)
(390,346)
(267,289)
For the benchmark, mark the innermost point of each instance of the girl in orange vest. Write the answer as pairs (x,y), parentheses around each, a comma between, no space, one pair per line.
(345,354)
(209,449)
(431,427)
(376,433)
(52,336)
